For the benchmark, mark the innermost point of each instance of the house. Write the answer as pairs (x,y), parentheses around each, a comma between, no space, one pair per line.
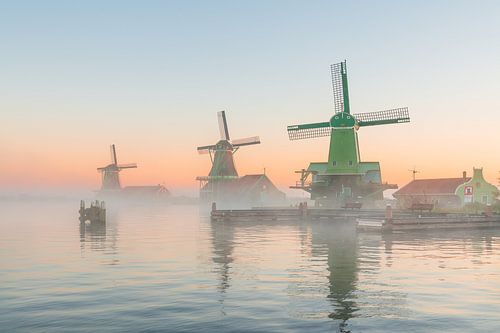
(440,192)
(477,190)
(145,192)
(258,190)
(246,191)
(447,192)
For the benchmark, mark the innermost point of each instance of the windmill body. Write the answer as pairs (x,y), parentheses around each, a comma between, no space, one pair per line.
(110,178)
(223,161)
(344,177)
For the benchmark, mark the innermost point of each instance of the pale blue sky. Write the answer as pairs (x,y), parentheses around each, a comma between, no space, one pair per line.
(150,76)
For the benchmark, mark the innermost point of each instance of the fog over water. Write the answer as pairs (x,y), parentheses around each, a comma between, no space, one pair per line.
(167,268)
(339,101)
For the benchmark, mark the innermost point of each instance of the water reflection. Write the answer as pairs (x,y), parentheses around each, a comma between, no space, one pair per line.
(339,243)
(335,244)
(93,235)
(463,244)
(100,238)
(388,244)
(181,273)
(223,246)
(359,276)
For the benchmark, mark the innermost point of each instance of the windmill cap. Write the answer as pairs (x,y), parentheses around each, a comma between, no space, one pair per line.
(223,145)
(342,119)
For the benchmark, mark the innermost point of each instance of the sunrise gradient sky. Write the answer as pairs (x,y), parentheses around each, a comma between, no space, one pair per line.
(150,76)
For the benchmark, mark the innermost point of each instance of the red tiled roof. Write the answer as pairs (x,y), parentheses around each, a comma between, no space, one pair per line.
(431,186)
(155,189)
(249,184)
(252,182)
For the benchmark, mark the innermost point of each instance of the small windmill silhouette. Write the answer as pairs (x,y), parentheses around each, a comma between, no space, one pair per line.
(110,173)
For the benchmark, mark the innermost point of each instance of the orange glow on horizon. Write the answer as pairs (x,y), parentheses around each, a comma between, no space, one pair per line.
(63,167)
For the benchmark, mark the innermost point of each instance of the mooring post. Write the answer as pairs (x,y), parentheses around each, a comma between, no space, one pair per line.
(95,213)
(214,209)
(82,211)
(388,213)
(488,212)
(303,209)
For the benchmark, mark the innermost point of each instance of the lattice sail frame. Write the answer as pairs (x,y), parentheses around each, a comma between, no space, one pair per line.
(337,86)
(223,128)
(254,140)
(224,136)
(309,131)
(392,116)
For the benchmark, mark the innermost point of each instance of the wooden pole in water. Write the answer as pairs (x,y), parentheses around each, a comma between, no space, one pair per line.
(489,211)
(303,209)
(388,213)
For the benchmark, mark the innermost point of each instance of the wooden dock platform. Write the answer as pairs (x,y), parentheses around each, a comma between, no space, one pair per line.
(252,215)
(454,221)
(377,220)
(302,212)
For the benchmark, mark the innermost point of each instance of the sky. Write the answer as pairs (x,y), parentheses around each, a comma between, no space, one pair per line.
(150,76)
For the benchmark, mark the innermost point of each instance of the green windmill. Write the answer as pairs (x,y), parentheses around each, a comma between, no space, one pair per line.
(344,178)
(223,170)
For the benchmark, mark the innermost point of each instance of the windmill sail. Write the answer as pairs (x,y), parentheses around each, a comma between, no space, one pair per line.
(254,140)
(203,151)
(308,131)
(113,155)
(339,85)
(127,166)
(224,131)
(392,116)
(205,148)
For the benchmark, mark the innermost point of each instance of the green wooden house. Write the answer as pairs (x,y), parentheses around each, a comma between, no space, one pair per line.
(477,190)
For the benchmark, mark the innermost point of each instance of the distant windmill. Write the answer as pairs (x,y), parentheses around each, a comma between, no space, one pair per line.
(221,154)
(223,172)
(110,173)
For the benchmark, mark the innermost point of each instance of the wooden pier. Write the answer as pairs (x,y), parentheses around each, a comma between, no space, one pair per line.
(380,220)
(454,221)
(302,212)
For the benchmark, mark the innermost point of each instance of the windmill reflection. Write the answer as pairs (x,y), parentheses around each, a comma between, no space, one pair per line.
(339,243)
(335,241)
(223,246)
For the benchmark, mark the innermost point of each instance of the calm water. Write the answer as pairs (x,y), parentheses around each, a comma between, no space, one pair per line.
(168,269)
